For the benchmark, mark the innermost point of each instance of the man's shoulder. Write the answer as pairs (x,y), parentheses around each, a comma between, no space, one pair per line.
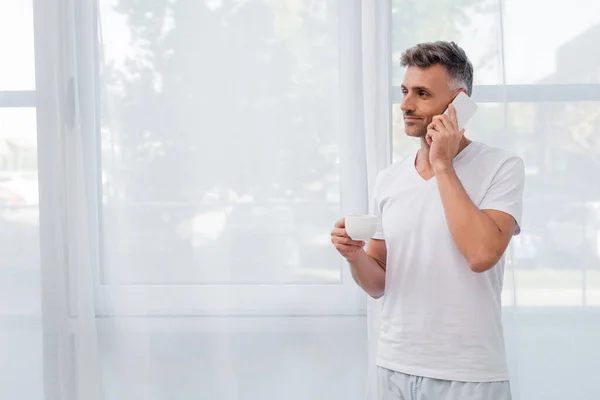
(488,152)
(493,166)
(493,158)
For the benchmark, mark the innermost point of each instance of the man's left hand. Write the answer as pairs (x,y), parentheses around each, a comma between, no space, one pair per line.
(443,138)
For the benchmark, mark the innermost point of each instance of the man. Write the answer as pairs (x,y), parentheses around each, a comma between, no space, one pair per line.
(447,216)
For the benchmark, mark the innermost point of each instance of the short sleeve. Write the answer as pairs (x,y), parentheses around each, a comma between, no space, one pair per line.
(505,193)
(375,206)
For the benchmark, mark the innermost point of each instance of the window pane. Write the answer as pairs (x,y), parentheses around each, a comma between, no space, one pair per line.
(473,24)
(19,225)
(556,258)
(20,315)
(560,47)
(221,166)
(17,69)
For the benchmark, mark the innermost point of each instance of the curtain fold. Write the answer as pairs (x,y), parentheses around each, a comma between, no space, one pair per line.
(71,205)
(366,88)
(66,107)
(376,78)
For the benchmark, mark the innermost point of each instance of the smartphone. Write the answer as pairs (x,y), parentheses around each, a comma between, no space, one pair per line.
(465,109)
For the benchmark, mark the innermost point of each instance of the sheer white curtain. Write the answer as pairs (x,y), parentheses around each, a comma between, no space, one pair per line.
(376,76)
(69,202)
(191,168)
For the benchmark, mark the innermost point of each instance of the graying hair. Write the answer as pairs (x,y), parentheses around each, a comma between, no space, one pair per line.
(448,54)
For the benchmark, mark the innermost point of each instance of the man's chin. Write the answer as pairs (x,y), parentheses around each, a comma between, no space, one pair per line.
(414,131)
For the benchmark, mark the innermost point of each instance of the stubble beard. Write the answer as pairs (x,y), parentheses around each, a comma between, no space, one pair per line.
(415,130)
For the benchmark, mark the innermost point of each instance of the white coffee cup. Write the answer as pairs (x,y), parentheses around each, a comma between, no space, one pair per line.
(361,226)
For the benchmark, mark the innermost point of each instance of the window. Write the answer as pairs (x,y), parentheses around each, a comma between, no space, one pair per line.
(220,158)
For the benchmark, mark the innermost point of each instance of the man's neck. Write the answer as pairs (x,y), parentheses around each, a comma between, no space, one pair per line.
(422,163)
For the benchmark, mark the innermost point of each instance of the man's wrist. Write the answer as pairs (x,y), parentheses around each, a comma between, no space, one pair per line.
(443,167)
(356,256)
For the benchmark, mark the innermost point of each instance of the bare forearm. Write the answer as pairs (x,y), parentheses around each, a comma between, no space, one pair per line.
(471,229)
(368,274)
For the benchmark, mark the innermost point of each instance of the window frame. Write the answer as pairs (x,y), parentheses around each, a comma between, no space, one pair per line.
(343,298)
(17,99)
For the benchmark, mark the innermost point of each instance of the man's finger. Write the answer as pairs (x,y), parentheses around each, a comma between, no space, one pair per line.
(433,126)
(428,137)
(341,223)
(347,241)
(433,133)
(340,232)
(443,122)
(453,117)
(353,243)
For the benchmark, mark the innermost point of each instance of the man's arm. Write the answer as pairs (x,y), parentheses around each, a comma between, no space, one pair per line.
(368,268)
(482,236)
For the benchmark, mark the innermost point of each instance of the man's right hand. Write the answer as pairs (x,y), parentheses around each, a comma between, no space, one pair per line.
(347,247)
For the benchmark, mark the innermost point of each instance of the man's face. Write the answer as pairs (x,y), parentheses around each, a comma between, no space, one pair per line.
(426,94)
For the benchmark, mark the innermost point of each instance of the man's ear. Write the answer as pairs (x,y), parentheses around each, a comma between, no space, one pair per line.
(458,91)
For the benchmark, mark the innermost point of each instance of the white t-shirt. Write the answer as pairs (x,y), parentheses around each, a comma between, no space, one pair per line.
(439,319)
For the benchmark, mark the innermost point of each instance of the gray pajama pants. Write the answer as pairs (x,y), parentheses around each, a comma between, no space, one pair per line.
(392,385)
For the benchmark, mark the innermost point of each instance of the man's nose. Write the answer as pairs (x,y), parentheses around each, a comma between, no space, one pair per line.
(407,104)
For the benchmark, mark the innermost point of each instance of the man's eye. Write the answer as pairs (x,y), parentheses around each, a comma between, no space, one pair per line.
(423,94)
